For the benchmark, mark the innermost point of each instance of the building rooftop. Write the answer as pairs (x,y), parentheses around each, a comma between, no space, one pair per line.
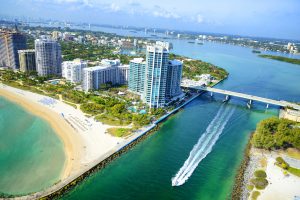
(26,50)
(100,67)
(175,62)
(160,46)
(110,62)
(103,67)
(138,60)
(77,60)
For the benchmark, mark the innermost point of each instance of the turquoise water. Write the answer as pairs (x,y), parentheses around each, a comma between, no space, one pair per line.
(145,172)
(31,154)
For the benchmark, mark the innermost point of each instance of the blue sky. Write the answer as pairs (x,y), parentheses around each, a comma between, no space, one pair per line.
(269,18)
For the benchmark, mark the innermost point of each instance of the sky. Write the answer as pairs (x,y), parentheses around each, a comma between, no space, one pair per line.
(265,18)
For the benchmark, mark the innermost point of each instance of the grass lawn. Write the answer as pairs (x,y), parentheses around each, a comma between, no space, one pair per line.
(111,121)
(119,132)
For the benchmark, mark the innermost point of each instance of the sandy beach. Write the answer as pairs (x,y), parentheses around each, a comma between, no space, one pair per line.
(281,186)
(84,139)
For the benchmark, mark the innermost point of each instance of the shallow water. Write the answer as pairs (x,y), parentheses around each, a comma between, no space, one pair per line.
(31,154)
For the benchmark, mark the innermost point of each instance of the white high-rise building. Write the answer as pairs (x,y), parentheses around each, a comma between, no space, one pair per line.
(157,58)
(48,57)
(72,70)
(158,79)
(110,71)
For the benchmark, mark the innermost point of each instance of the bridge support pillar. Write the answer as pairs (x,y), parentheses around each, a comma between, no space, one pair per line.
(211,94)
(267,106)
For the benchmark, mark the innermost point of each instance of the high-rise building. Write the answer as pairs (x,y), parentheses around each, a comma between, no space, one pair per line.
(48,57)
(72,70)
(174,75)
(10,43)
(27,60)
(136,79)
(158,79)
(157,60)
(110,71)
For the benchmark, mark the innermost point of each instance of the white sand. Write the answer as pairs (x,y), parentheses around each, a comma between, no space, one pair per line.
(84,140)
(280,186)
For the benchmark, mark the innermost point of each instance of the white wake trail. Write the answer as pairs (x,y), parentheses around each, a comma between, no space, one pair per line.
(204,145)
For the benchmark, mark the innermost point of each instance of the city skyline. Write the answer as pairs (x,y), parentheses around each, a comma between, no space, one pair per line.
(261,18)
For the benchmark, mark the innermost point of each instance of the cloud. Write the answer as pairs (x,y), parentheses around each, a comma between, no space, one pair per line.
(199,19)
(161,12)
(134,4)
(114,7)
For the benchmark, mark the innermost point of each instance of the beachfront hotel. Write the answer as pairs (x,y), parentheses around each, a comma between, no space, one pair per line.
(10,43)
(109,71)
(27,60)
(157,59)
(48,57)
(157,79)
(72,70)
(136,75)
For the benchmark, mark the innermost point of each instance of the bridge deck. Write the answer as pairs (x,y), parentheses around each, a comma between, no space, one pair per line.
(250,97)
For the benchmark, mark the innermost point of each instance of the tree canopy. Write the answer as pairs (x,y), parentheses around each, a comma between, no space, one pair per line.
(274,133)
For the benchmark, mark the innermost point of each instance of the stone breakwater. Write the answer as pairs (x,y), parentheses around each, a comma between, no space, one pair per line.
(242,174)
(99,166)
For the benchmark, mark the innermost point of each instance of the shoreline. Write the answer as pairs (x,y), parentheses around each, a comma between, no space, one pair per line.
(60,127)
(84,140)
(240,177)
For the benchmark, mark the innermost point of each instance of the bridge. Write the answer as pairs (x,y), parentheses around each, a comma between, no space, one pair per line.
(248,97)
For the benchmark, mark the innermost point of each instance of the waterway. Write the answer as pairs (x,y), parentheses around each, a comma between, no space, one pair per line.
(31,154)
(146,171)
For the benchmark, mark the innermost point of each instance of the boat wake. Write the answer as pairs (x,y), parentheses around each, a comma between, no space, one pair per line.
(204,145)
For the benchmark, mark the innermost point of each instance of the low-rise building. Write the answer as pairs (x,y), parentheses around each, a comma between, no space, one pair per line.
(72,70)
(110,71)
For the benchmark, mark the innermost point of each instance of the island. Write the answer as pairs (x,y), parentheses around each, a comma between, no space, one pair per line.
(281,58)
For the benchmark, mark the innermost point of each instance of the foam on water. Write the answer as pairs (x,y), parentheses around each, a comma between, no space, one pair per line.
(204,145)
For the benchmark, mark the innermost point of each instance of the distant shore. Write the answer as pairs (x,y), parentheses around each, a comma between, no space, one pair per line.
(282,59)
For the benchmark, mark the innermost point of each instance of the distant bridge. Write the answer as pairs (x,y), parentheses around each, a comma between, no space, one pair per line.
(247,96)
